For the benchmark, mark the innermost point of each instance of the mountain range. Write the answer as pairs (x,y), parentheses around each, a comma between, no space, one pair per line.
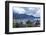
(24,16)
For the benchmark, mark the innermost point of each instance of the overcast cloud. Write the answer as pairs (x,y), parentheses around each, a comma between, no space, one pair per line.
(35,11)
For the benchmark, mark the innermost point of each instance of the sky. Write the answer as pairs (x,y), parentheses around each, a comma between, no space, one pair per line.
(35,11)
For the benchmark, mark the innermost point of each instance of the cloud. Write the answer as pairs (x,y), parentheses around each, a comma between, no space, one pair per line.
(31,10)
(18,10)
(35,11)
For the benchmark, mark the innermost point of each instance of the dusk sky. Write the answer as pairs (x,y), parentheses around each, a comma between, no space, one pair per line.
(35,11)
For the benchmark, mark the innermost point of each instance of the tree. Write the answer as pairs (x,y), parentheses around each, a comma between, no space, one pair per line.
(17,25)
(37,23)
(29,23)
(21,24)
(14,25)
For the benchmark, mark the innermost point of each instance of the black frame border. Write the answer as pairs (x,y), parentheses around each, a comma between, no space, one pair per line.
(7,16)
